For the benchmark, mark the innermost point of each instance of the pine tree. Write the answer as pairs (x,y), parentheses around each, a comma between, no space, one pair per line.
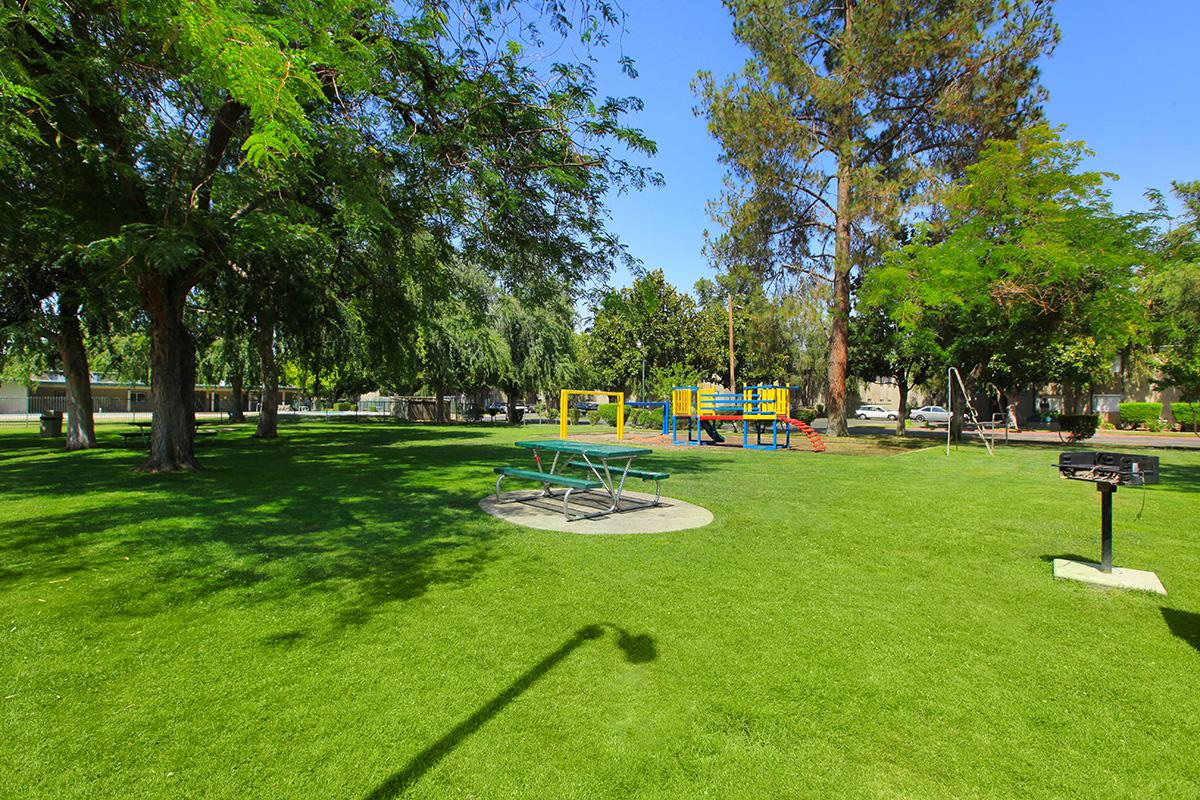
(844,112)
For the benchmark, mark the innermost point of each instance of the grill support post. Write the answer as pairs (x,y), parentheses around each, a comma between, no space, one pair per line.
(1106,490)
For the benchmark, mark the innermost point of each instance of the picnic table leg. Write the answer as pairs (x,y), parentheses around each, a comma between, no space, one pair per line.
(616,495)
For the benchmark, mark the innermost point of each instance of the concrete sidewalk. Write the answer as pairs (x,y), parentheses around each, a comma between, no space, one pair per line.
(1173,441)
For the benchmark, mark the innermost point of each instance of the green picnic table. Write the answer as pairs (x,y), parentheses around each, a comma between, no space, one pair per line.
(605,468)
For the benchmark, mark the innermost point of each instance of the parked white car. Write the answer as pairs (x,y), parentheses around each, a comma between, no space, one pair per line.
(874,412)
(930,414)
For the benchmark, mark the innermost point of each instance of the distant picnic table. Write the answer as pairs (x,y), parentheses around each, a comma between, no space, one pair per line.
(145,428)
(605,468)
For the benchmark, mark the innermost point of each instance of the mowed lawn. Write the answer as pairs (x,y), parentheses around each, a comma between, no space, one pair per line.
(331,615)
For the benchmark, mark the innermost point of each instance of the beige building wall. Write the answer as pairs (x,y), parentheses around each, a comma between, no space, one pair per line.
(884,393)
(14,398)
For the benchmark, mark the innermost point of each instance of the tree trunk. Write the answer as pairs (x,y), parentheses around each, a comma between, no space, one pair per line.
(839,328)
(902,406)
(173,377)
(81,428)
(439,403)
(237,371)
(264,344)
(236,412)
(510,405)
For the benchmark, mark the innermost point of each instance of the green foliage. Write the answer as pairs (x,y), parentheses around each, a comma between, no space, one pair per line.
(662,380)
(1135,414)
(342,405)
(1187,415)
(650,320)
(320,171)
(1034,280)
(651,418)
(539,337)
(1172,291)
(606,413)
(1078,427)
(843,115)
(805,414)
(778,337)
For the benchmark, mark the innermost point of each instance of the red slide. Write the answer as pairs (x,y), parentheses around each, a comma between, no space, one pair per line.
(818,444)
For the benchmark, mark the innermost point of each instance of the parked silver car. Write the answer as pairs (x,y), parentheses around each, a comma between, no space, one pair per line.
(930,414)
(874,412)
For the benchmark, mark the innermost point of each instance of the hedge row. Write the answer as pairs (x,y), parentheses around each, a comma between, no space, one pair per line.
(1135,414)
(1187,414)
(634,417)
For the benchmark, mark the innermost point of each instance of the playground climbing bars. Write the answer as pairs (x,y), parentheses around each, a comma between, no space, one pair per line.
(564,409)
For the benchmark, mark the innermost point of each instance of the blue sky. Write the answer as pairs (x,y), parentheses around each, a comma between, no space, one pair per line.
(1123,79)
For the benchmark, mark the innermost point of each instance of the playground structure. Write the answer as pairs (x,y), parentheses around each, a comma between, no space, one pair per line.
(563,405)
(767,408)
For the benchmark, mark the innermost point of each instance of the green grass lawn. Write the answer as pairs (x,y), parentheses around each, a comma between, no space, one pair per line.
(330,615)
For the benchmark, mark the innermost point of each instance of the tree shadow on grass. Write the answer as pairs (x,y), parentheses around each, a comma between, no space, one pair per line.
(637,649)
(360,515)
(349,515)
(1177,477)
(1184,624)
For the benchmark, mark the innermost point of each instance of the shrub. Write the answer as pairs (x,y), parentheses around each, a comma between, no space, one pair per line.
(806,415)
(343,405)
(552,413)
(663,379)
(1187,415)
(820,409)
(650,418)
(1078,426)
(1105,425)
(607,413)
(1134,414)
(1156,426)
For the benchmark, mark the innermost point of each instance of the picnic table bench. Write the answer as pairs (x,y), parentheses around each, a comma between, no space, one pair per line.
(644,474)
(144,429)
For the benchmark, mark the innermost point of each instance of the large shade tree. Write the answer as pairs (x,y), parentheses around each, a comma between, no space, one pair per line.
(650,326)
(189,106)
(1172,291)
(1033,283)
(844,112)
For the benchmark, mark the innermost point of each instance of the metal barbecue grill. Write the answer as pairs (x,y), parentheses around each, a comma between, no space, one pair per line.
(1108,471)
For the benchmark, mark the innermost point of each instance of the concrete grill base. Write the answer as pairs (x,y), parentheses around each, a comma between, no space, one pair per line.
(1120,577)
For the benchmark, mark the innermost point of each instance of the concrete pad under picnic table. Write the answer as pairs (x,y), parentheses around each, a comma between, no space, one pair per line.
(546,513)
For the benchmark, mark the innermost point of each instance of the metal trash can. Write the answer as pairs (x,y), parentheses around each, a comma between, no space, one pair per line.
(51,423)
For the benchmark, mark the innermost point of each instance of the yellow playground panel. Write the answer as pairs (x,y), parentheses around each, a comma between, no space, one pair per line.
(563,409)
(765,402)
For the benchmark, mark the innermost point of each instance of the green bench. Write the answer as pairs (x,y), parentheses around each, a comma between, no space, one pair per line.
(547,480)
(644,474)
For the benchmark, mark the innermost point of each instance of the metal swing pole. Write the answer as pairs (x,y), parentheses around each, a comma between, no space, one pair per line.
(949,407)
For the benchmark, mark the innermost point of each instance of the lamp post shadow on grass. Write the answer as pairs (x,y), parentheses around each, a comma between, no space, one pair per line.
(1184,624)
(637,649)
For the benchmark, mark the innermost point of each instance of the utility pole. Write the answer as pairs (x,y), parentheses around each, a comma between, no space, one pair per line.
(732,375)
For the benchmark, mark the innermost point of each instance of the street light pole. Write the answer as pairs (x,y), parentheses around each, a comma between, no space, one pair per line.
(732,375)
